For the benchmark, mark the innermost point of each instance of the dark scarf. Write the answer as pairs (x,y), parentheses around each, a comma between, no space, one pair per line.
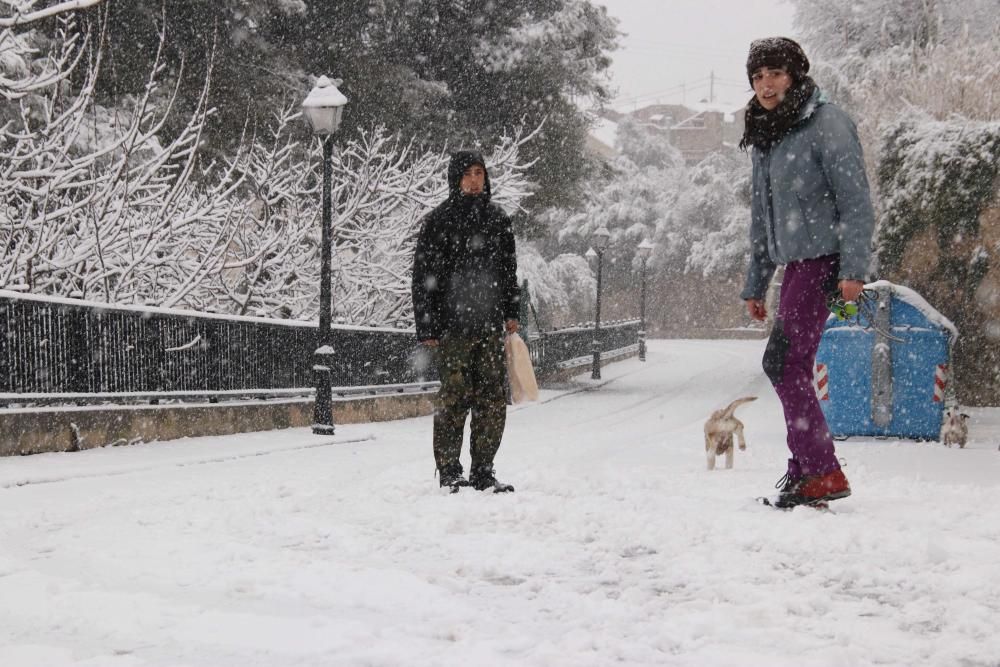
(468,205)
(765,128)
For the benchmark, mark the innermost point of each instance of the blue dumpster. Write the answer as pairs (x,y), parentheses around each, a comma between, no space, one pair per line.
(887,380)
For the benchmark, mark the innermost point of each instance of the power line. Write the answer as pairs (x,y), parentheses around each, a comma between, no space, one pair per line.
(672,89)
(673,54)
(682,46)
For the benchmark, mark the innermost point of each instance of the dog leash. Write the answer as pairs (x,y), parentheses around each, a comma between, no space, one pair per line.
(859,312)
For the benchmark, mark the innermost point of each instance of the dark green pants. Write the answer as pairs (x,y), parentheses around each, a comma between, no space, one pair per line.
(473,376)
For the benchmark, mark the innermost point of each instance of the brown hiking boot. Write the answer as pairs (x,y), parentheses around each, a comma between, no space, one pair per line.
(815,489)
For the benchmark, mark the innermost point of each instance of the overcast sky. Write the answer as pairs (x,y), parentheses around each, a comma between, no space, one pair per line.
(672,46)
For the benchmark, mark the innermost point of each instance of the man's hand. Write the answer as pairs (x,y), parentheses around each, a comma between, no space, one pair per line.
(757,309)
(430,342)
(850,289)
(512,326)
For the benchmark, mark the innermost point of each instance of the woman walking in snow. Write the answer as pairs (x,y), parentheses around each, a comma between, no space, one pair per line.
(810,211)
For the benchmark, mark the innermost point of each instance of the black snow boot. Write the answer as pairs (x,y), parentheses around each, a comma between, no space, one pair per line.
(483,478)
(787,487)
(452,476)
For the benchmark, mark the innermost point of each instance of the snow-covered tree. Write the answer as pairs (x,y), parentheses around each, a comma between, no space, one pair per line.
(920,57)
(93,194)
(562,289)
(938,179)
(108,204)
(866,28)
(244,238)
(936,175)
(444,72)
(21,13)
(633,196)
(382,190)
(716,205)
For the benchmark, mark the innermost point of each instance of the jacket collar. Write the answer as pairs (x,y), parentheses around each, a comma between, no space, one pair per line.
(815,101)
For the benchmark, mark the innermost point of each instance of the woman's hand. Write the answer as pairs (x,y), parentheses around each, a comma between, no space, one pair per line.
(850,289)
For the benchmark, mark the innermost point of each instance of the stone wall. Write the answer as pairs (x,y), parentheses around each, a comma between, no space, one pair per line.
(976,313)
(36,430)
(69,429)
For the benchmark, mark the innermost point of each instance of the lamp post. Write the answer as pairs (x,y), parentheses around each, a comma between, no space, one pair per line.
(324,109)
(644,250)
(599,241)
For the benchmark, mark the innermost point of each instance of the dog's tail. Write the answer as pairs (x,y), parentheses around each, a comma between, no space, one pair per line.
(731,408)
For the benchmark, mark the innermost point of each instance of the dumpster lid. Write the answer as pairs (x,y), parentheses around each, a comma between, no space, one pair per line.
(910,297)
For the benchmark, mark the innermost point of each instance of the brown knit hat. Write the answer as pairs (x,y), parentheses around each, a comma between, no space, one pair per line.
(777,52)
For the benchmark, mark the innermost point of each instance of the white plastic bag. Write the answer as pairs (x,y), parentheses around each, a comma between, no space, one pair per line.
(523,386)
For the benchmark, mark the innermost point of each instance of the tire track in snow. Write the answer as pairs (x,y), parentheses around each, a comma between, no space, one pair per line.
(661,393)
(34,481)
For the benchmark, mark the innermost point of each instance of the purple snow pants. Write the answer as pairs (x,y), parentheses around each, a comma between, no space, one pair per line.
(790,357)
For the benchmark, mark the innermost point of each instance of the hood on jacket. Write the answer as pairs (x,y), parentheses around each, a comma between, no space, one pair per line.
(460,162)
(815,101)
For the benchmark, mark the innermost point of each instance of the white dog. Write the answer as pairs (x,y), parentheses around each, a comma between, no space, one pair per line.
(954,430)
(719,431)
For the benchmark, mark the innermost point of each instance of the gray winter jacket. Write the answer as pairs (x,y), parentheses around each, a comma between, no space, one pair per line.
(810,198)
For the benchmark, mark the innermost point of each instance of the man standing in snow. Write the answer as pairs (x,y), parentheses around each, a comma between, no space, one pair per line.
(465,295)
(811,211)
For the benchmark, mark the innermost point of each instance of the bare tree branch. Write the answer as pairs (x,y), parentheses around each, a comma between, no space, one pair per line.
(24,15)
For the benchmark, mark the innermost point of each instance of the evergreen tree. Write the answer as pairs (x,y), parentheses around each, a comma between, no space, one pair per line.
(445,72)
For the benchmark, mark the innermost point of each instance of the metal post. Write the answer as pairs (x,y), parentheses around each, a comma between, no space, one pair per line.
(6,381)
(323,408)
(642,315)
(81,368)
(882,390)
(596,371)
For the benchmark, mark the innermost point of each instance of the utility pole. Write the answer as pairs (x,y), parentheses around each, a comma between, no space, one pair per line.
(711,88)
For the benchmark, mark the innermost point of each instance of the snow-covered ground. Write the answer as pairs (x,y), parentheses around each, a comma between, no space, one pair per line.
(289,549)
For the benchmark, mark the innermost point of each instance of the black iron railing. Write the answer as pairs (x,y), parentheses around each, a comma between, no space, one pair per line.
(77,350)
(66,346)
(573,346)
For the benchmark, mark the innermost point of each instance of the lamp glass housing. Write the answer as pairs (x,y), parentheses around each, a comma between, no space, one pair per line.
(324,107)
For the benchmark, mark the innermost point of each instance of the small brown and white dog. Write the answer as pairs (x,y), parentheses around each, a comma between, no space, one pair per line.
(954,430)
(719,431)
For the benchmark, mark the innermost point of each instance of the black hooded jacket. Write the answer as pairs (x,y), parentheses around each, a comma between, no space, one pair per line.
(464,264)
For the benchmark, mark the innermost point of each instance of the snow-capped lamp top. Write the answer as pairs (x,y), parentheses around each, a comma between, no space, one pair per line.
(600,238)
(645,249)
(777,52)
(324,106)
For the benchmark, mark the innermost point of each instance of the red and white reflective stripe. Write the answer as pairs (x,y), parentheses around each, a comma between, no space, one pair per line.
(940,382)
(821,380)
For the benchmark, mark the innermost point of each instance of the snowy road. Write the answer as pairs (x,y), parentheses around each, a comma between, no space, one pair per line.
(287,549)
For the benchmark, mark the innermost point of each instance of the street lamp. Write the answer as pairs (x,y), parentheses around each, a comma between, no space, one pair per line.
(599,241)
(644,250)
(324,109)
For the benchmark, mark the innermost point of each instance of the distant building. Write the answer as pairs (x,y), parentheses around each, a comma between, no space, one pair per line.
(695,132)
